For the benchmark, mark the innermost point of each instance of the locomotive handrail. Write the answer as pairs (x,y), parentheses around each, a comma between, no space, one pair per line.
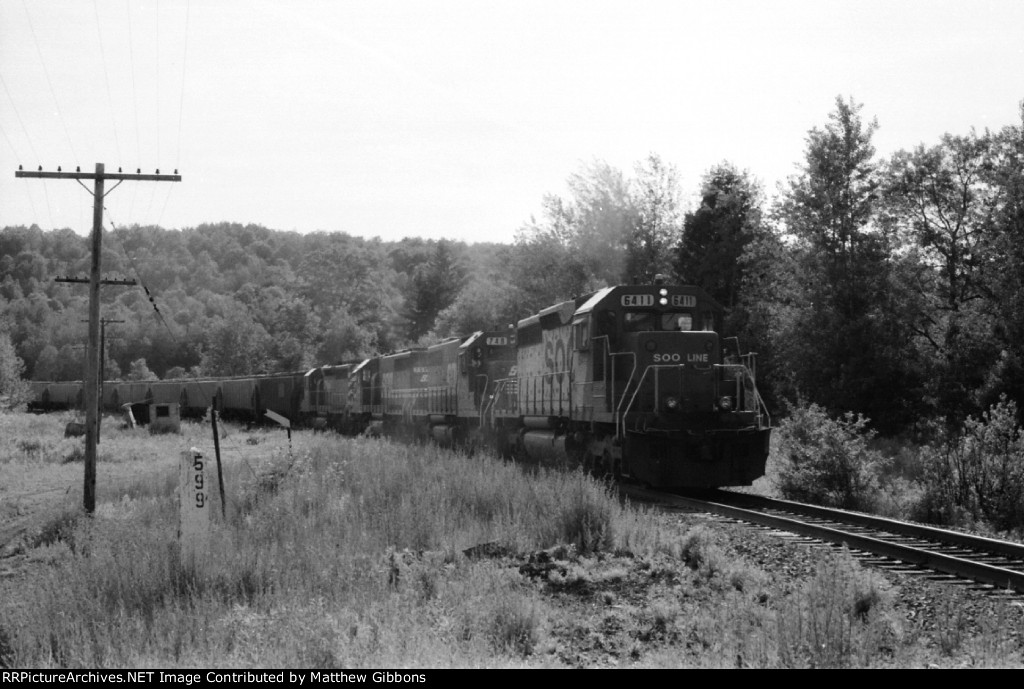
(490,404)
(502,387)
(531,385)
(632,374)
(483,402)
(639,387)
(760,408)
(620,423)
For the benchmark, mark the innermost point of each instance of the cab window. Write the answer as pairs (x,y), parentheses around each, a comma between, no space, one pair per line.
(676,321)
(638,321)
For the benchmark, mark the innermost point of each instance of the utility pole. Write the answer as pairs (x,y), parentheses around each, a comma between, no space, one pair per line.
(92,359)
(103,354)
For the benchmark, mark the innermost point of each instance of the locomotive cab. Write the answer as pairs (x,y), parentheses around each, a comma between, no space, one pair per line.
(650,368)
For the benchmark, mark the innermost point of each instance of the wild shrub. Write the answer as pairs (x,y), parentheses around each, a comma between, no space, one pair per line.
(514,627)
(59,527)
(6,649)
(698,550)
(585,514)
(977,475)
(837,618)
(75,454)
(827,461)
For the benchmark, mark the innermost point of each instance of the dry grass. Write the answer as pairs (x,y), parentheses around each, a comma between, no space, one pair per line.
(350,553)
(334,552)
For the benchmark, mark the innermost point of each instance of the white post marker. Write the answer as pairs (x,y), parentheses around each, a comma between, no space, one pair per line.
(274,416)
(195,500)
(283,421)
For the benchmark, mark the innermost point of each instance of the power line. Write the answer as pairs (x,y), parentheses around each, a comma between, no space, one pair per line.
(28,139)
(49,83)
(157,43)
(135,101)
(106,77)
(31,201)
(181,103)
(142,282)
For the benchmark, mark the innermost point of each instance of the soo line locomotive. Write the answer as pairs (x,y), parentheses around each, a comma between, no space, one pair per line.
(632,381)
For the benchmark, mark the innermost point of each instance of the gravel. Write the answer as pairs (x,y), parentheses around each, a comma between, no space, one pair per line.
(720,595)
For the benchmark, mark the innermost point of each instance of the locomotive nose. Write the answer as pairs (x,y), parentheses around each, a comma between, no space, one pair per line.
(697,350)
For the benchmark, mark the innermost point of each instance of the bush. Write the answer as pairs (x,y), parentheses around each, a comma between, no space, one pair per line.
(827,461)
(978,474)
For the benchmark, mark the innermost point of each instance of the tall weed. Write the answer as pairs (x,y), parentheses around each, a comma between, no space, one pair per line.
(836,619)
(362,537)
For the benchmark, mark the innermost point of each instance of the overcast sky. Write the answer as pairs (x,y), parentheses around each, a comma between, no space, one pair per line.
(452,119)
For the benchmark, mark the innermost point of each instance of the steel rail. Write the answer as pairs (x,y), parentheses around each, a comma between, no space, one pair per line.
(999,577)
(945,536)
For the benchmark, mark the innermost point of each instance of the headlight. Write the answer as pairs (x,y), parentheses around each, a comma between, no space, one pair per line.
(672,404)
(725,403)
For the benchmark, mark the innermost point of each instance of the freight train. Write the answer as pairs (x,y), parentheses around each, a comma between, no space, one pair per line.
(631,381)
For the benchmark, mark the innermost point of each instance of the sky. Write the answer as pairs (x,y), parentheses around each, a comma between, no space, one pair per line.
(454,118)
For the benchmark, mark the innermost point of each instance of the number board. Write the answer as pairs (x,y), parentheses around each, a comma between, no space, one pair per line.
(195,497)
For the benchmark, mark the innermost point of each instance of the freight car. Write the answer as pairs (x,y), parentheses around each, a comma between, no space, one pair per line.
(632,381)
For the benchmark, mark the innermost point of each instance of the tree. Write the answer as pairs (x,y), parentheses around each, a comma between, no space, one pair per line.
(140,371)
(657,219)
(47,364)
(435,285)
(72,363)
(339,272)
(580,243)
(1004,279)
(236,346)
(715,236)
(940,201)
(484,304)
(13,390)
(768,309)
(345,340)
(175,373)
(845,344)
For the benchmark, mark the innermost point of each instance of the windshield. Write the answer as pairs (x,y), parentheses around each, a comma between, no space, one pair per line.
(640,321)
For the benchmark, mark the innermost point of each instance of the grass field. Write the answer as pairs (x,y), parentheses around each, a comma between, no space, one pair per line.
(334,552)
(345,553)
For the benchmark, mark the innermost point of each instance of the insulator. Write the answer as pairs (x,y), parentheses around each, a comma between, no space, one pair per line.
(138,170)
(40,168)
(19,167)
(78,168)
(58,168)
(158,171)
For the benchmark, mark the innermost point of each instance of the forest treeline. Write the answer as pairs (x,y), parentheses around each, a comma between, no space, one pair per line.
(889,287)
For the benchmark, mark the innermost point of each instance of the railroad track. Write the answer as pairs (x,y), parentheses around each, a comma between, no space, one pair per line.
(990,562)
